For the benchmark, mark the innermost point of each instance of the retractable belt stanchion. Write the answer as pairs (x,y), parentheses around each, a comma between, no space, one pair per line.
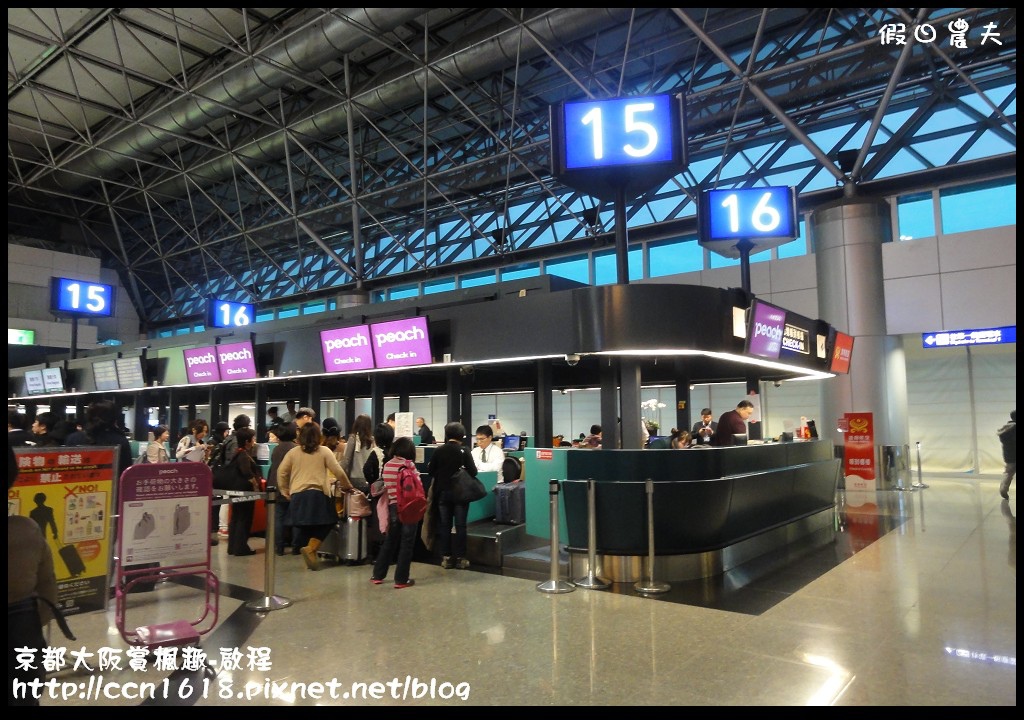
(919,484)
(651,586)
(592,581)
(269,601)
(554,585)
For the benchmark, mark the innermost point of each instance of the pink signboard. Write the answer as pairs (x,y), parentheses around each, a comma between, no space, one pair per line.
(346,348)
(764,335)
(401,342)
(236,361)
(201,365)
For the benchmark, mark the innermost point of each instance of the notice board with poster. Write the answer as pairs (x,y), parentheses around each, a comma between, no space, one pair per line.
(859,453)
(69,492)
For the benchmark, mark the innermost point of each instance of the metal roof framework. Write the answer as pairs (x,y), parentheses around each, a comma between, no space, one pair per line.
(265,155)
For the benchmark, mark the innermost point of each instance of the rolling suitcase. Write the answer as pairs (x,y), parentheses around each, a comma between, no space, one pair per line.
(346,542)
(73,561)
(510,503)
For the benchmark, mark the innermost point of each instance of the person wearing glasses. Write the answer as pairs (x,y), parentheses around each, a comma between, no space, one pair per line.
(487,454)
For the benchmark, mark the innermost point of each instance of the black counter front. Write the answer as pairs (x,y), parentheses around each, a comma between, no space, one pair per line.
(704,500)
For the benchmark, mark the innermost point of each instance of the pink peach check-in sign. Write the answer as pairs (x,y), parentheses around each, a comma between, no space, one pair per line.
(401,343)
(346,349)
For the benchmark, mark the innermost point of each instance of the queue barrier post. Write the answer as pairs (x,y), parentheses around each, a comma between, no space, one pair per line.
(592,581)
(650,586)
(554,585)
(919,483)
(269,601)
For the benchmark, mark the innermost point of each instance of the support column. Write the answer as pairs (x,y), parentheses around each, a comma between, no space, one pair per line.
(848,236)
(629,404)
(543,420)
(608,371)
(452,389)
(683,409)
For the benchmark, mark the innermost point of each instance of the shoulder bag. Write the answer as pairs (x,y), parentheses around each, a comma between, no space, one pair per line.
(465,488)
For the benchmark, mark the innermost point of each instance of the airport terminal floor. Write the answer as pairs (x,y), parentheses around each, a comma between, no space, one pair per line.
(913,603)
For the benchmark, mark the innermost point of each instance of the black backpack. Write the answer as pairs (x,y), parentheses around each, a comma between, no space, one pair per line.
(511,469)
(217,456)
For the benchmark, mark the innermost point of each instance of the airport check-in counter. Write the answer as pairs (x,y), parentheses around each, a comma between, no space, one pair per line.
(713,508)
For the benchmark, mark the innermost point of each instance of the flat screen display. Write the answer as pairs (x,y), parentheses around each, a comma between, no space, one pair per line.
(346,348)
(104,375)
(34,382)
(201,365)
(510,443)
(842,352)
(129,373)
(236,361)
(401,343)
(765,330)
(53,380)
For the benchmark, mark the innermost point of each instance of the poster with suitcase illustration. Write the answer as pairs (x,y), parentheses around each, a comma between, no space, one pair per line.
(68,492)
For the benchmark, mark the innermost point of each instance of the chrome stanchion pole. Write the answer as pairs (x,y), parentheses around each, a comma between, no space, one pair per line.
(592,581)
(650,586)
(269,601)
(919,484)
(554,585)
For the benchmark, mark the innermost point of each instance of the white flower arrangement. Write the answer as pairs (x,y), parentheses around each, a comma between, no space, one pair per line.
(648,407)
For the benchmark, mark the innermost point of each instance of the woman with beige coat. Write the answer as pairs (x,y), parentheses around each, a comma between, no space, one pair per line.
(304,480)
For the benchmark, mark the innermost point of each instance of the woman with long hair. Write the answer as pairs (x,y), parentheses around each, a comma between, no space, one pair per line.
(302,480)
(357,451)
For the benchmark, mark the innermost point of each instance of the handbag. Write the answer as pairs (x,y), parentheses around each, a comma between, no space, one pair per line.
(358,505)
(229,477)
(465,488)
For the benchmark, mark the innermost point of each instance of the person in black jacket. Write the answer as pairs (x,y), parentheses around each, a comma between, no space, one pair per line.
(1008,438)
(446,460)
(102,427)
(424,431)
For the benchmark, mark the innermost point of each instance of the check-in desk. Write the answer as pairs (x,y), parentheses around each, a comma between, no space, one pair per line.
(713,508)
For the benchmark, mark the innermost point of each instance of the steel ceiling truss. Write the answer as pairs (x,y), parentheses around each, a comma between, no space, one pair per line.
(230,154)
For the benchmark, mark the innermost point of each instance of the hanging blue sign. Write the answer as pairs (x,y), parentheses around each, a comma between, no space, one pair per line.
(958,338)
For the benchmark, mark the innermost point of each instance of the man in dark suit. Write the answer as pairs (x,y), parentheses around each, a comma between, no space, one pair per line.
(704,429)
(16,432)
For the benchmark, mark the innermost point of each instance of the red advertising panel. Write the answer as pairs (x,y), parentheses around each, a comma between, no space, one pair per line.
(859,454)
(842,351)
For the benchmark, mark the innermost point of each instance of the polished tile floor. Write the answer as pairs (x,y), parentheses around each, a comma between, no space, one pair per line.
(914,603)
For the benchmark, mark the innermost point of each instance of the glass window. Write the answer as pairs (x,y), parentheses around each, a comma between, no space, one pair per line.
(407,291)
(961,206)
(264,315)
(287,313)
(521,271)
(314,307)
(671,257)
(436,286)
(606,267)
(575,268)
(915,216)
(477,279)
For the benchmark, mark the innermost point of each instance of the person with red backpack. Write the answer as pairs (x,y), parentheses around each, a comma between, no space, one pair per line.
(406,505)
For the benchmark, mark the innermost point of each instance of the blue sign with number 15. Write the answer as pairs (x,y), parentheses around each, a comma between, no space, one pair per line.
(81,297)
